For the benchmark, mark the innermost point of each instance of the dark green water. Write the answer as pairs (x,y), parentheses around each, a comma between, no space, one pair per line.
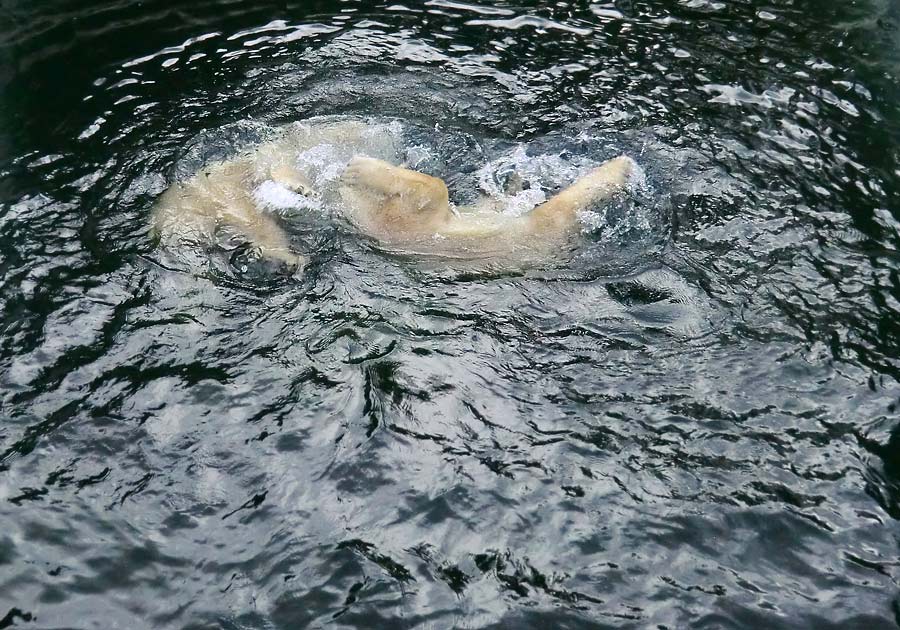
(692,423)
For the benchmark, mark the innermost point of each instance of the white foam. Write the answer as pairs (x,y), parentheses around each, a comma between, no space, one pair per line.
(524,201)
(272,195)
(539,174)
(591,220)
(418,154)
(378,131)
(324,161)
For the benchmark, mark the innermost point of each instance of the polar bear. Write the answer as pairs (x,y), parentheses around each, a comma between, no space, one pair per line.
(397,206)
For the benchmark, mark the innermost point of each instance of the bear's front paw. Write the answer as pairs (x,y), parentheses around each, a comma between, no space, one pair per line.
(292,179)
(366,172)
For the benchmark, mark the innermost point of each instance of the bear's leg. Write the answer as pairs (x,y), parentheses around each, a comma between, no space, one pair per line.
(404,189)
(558,214)
(262,231)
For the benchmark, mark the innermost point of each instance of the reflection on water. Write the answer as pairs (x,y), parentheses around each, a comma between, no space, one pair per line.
(691,421)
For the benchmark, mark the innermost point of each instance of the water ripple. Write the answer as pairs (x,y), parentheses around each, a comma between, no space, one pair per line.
(690,421)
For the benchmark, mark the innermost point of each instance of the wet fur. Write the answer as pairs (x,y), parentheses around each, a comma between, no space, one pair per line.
(397,206)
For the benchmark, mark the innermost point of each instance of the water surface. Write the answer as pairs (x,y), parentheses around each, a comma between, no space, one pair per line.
(690,422)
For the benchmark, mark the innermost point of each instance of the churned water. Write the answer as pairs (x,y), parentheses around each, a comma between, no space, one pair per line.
(688,421)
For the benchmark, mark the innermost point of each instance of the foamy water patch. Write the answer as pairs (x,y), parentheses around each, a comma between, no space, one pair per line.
(271,195)
(521,181)
(324,163)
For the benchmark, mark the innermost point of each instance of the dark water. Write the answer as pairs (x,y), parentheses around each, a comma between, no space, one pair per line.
(692,424)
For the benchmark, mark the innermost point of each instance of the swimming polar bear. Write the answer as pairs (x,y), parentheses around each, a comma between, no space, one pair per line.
(397,206)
